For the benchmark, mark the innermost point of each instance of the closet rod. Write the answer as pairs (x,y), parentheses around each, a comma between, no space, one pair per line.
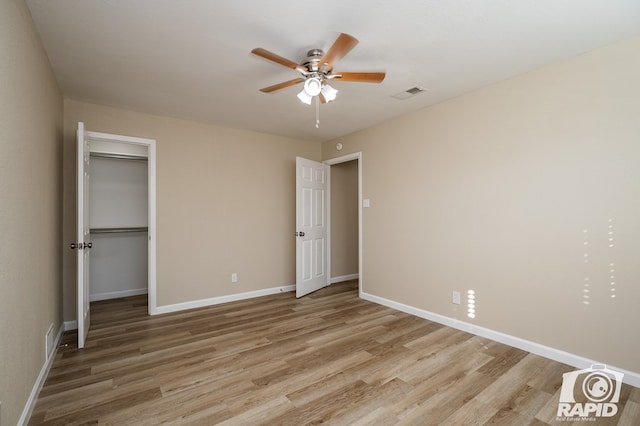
(118,156)
(119,230)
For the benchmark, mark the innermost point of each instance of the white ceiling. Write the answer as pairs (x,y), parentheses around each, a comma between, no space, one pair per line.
(191,58)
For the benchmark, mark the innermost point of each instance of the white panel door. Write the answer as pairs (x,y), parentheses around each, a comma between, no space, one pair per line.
(311,226)
(83,235)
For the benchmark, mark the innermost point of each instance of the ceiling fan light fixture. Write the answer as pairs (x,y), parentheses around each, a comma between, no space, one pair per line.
(312,86)
(329,93)
(304,97)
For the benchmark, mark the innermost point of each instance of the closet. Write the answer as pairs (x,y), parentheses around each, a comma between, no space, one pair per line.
(118,211)
(115,221)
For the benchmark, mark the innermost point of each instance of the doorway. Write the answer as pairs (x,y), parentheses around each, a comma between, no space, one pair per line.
(313,224)
(109,228)
(118,211)
(345,207)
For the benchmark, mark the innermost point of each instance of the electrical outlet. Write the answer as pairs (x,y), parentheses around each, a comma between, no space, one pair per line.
(455,297)
(234,277)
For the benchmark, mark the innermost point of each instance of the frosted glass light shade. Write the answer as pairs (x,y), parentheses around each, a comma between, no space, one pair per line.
(304,97)
(329,93)
(312,86)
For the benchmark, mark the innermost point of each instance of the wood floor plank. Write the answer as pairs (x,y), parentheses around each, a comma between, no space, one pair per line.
(329,357)
(294,382)
(448,399)
(264,413)
(630,414)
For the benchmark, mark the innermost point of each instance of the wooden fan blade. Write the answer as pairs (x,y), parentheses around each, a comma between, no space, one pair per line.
(282,85)
(274,58)
(364,77)
(343,44)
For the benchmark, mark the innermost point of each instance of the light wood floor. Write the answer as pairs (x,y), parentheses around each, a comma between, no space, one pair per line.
(326,358)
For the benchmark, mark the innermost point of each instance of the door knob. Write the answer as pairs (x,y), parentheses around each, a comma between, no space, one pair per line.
(301,234)
(72,246)
(87,245)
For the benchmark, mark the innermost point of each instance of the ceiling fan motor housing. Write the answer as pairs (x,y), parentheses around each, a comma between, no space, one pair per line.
(313,60)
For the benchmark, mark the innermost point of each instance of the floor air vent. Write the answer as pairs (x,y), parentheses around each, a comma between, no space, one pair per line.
(48,342)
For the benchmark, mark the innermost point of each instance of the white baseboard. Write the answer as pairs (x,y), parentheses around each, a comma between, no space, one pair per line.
(73,325)
(37,386)
(343,278)
(221,299)
(630,377)
(117,294)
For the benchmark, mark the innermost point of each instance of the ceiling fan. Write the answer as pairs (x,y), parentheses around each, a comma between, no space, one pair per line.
(317,70)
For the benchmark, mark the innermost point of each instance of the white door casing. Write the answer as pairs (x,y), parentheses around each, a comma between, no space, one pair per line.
(311,226)
(107,143)
(82,236)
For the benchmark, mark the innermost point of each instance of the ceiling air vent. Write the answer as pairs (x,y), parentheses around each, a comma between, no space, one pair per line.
(415,90)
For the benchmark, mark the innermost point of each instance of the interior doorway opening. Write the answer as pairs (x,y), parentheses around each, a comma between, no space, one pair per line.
(118,206)
(111,147)
(345,242)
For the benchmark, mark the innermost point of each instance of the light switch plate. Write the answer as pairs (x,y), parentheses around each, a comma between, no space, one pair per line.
(366,202)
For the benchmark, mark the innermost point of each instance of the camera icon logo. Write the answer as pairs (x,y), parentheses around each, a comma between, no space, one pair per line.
(591,391)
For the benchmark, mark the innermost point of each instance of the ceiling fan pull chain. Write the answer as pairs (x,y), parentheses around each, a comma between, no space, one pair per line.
(317,112)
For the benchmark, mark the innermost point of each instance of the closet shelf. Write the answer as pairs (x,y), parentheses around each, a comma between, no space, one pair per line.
(121,230)
(119,156)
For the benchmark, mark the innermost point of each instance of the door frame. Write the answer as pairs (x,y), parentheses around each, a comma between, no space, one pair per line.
(152,306)
(331,162)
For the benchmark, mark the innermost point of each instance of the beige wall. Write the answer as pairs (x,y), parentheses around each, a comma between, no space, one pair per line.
(225,203)
(514,191)
(344,219)
(30,207)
